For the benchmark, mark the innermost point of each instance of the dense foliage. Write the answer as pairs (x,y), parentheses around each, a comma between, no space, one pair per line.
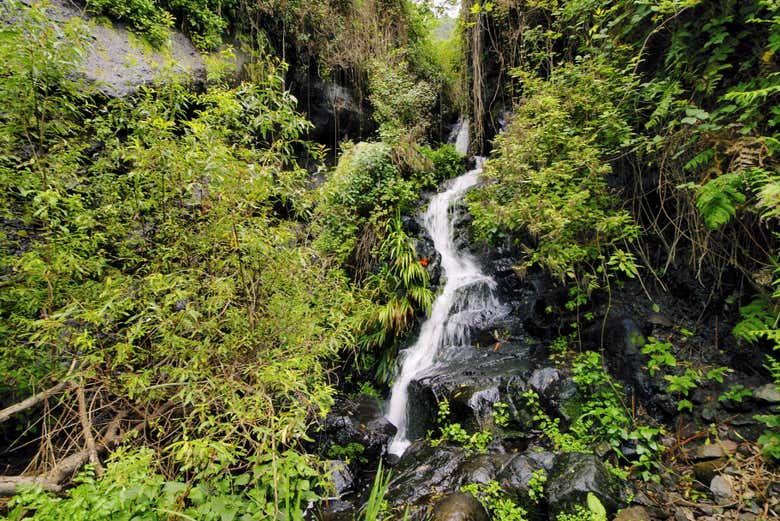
(644,139)
(168,269)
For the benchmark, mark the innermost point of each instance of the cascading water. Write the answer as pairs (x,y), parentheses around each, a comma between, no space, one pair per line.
(460,136)
(467,293)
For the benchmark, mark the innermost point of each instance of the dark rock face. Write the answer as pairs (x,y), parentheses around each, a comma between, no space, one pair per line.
(459,507)
(360,421)
(573,476)
(333,109)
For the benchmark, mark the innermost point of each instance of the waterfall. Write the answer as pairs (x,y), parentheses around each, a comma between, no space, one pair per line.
(460,136)
(467,293)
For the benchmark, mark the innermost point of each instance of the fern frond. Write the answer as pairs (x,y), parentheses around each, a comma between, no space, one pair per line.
(718,199)
(700,160)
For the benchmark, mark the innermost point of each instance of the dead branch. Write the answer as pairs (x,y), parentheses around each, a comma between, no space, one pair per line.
(9,485)
(34,400)
(86,426)
(112,437)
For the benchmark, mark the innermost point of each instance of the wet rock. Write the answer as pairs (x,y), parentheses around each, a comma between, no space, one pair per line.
(459,507)
(723,490)
(342,478)
(768,393)
(473,379)
(480,468)
(559,396)
(516,474)
(360,421)
(425,472)
(573,476)
(633,514)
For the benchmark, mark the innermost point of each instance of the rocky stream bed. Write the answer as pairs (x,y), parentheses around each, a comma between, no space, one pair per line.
(709,462)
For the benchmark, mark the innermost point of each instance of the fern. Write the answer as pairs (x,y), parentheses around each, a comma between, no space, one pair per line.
(700,160)
(718,199)
(759,318)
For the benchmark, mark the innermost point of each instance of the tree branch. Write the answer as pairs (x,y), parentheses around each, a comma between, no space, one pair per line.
(86,426)
(34,400)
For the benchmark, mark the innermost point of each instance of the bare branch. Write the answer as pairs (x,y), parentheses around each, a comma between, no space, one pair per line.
(34,400)
(86,426)
(9,485)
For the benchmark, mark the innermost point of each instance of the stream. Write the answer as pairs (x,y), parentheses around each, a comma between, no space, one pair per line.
(466,293)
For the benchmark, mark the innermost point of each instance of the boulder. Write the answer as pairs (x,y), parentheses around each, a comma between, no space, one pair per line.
(573,476)
(342,478)
(118,63)
(557,393)
(358,420)
(458,507)
(515,476)
(425,472)
(473,379)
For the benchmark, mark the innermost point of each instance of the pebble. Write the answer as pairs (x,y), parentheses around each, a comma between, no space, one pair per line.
(767,393)
(722,489)
(633,514)
(714,450)
(683,514)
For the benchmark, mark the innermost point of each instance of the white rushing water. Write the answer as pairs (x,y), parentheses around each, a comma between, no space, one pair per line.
(460,136)
(466,292)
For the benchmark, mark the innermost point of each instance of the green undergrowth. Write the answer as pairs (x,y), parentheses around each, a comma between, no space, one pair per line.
(644,138)
(156,253)
(165,254)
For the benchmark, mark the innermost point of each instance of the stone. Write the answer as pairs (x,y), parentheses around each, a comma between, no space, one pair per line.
(716,450)
(768,393)
(658,319)
(683,514)
(709,451)
(342,477)
(358,421)
(541,379)
(573,476)
(723,489)
(515,475)
(117,65)
(459,507)
(633,514)
(423,473)
(704,471)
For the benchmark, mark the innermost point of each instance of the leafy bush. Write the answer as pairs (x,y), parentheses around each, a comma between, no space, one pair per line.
(546,184)
(146,249)
(146,17)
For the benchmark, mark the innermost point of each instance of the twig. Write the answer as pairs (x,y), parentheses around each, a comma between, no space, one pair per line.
(86,427)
